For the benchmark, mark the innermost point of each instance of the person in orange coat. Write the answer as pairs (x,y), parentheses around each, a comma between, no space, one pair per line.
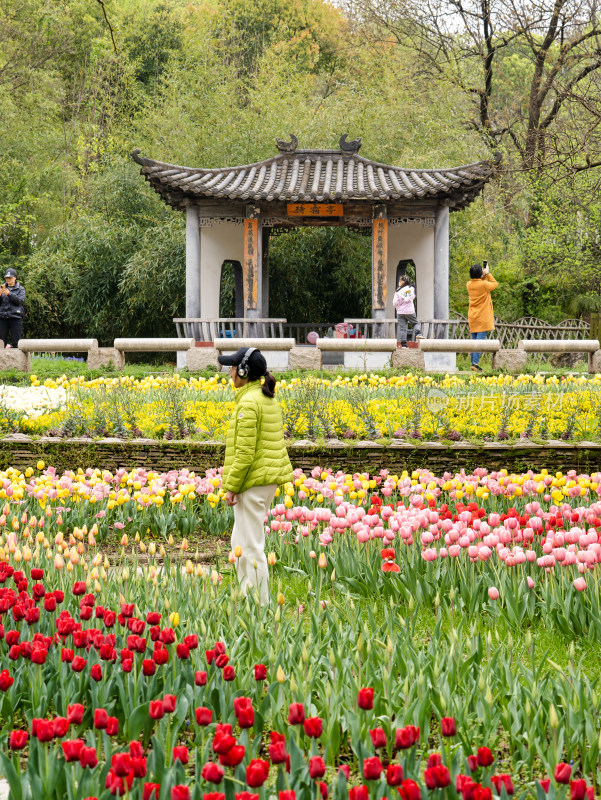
(480,314)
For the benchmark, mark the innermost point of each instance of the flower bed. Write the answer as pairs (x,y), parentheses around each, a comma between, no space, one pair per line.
(403,641)
(406,407)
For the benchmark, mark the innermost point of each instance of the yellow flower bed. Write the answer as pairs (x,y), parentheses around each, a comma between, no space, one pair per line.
(365,406)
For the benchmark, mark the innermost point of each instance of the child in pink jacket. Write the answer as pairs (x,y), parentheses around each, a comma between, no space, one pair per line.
(403,303)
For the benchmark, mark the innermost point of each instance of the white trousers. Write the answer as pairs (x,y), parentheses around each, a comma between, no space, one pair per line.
(249,532)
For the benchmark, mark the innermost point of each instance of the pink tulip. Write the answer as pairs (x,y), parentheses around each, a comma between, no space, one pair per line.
(580,584)
(493,593)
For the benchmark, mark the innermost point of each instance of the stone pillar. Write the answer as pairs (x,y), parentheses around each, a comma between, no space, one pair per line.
(252,267)
(265,273)
(441,263)
(379,267)
(192,262)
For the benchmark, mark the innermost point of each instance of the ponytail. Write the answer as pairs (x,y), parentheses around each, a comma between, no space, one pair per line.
(268,387)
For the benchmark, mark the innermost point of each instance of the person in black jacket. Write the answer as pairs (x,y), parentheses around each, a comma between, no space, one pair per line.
(12,301)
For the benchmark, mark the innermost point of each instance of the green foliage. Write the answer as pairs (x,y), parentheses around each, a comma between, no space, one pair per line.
(326,270)
(208,83)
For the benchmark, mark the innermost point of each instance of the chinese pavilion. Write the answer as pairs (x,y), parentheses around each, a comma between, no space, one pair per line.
(230,212)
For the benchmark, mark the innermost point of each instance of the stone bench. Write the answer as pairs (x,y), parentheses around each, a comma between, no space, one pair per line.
(19,357)
(280,353)
(361,353)
(589,346)
(115,355)
(511,360)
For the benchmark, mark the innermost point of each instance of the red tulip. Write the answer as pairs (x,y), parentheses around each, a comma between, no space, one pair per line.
(313,727)
(277,748)
(359,793)
(219,648)
(228,673)
(578,789)
(434,760)
(317,767)
(75,714)
(242,796)
(223,742)
(121,764)
(182,651)
(545,785)
(169,703)
(372,768)
(101,718)
(6,681)
(365,699)
(260,672)
(17,740)
(61,726)
(88,757)
(96,672)
(155,709)
(485,757)
(221,660)
(323,790)
(37,574)
(437,777)
(112,726)
(406,737)
(394,775)
(505,780)
(151,791)
(212,772)
(72,749)
(79,587)
(43,731)
(180,792)
(160,657)
(180,753)
(378,737)
(233,757)
(296,714)
(221,795)
(448,726)
(191,641)
(203,716)
(148,667)
(563,772)
(288,794)
(472,762)
(257,772)
(200,678)
(78,664)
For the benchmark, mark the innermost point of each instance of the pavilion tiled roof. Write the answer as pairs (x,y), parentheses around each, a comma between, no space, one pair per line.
(316,176)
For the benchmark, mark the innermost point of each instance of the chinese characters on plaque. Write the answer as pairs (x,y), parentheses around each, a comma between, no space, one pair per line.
(315,210)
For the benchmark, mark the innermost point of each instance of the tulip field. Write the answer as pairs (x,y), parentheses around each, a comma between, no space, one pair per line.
(428,636)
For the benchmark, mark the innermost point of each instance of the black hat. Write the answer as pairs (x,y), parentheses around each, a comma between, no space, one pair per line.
(11,273)
(257,366)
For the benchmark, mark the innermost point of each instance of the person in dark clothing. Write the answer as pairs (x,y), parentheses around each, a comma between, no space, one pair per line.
(12,301)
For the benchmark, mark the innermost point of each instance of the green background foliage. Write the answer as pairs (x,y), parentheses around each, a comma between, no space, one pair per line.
(212,84)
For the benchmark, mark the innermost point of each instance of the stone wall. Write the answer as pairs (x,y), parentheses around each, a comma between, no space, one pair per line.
(21,452)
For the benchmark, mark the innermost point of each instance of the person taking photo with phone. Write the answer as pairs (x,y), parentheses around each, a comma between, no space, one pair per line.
(480,314)
(12,301)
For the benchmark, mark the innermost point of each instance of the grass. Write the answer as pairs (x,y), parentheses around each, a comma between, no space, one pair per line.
(45,367)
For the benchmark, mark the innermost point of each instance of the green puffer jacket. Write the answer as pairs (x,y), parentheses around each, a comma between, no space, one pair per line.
(255,452)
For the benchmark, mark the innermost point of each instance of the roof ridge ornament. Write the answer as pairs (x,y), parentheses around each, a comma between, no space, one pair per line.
(287,147)
(349,147)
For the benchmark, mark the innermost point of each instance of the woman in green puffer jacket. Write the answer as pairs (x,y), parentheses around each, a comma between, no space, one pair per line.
(256,462)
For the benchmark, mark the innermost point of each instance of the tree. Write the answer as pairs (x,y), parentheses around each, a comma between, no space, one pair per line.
(530,70)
